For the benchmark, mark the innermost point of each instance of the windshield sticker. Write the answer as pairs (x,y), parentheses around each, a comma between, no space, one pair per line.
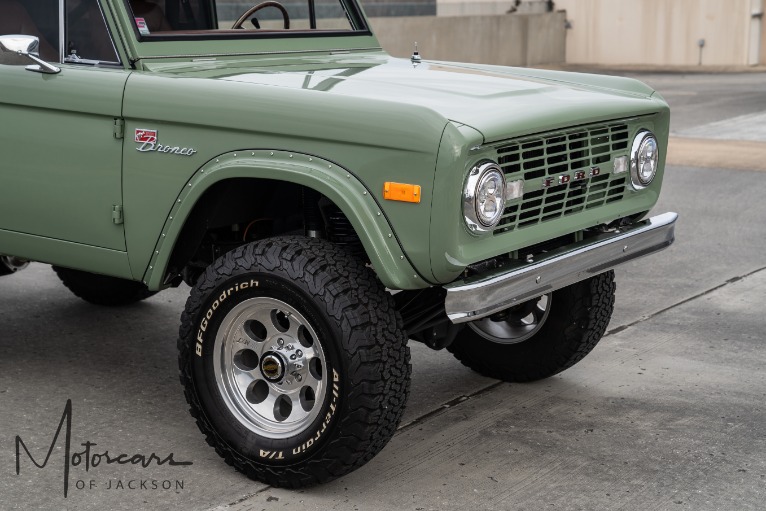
(143,28)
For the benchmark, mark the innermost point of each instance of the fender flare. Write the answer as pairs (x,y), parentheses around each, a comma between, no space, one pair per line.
(331,180)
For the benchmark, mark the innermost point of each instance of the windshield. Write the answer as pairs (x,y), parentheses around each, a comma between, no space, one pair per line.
(174,19)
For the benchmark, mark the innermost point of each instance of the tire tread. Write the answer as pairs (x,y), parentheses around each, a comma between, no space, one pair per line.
(586,322)
(379,359)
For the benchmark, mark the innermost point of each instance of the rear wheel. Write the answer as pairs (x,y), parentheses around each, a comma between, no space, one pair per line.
(293,360)
(101,289)
(11,264)
(539,338)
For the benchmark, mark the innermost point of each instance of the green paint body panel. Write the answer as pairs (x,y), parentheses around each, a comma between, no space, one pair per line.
(336,114)
(61,165)
(333,181)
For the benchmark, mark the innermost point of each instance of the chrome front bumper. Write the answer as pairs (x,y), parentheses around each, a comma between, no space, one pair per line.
(482,295)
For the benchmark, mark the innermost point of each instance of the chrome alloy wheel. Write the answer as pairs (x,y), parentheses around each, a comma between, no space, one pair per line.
(13,264)
(515,324)
(270,367)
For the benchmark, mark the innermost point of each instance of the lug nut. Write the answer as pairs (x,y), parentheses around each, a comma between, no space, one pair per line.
(299,353)
(289,346)
(292,357)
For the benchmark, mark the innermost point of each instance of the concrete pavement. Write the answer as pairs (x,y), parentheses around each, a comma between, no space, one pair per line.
(666,413)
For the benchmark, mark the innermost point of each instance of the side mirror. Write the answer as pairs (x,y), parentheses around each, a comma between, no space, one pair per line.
(27,46)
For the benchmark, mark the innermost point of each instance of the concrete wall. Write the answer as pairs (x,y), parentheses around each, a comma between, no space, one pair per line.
(661,32)
(763,35)
(488,7)
(511,40)
(471,8)
(380,8)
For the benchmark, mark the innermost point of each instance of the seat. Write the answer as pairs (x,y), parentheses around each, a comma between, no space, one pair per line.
(152,14)
(14,19)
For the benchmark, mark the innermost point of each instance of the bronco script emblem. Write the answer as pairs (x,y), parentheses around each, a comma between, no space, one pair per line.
(149,141)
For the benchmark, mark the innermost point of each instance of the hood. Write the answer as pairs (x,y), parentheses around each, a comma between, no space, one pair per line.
(499,102)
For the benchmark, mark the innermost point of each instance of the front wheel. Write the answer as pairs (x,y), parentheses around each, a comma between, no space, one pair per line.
(539,338)
(294,361)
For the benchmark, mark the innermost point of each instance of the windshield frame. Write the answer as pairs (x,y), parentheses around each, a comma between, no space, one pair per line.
(353,11)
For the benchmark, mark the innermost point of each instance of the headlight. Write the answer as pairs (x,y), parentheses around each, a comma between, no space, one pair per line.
(644,159)
(484,196)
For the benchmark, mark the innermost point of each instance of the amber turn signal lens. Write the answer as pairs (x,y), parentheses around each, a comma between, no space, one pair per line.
(401,192)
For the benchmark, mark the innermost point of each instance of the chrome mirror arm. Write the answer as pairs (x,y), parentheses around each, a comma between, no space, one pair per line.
(41,66)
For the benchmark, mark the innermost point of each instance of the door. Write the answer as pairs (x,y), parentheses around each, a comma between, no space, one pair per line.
(60,158)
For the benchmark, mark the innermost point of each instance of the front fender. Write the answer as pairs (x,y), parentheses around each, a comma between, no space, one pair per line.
(334,182)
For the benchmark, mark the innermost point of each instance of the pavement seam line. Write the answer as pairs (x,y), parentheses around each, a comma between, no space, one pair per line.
(448,405)
(682,302)
(223,507)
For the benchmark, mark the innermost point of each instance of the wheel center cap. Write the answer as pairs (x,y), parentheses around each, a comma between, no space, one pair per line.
(272,367)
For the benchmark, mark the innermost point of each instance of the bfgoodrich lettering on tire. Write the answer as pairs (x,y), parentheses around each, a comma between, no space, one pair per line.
(293,360)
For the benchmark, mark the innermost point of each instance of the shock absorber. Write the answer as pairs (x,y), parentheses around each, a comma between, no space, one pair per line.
(312,221)
(341,232)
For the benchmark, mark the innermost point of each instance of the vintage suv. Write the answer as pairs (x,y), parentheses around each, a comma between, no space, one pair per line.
(325,201)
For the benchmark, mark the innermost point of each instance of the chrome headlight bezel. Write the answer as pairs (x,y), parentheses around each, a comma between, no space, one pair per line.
(645,147)
(480,174)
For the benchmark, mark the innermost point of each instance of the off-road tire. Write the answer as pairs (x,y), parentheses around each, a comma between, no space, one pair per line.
(359,330)
(101,289)
(577,320)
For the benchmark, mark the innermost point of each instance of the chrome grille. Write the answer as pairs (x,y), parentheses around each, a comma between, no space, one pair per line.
(570,152)
(561,200)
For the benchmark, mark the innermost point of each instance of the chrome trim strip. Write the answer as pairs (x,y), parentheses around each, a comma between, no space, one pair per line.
(253,54)
(477,297)
(62,37)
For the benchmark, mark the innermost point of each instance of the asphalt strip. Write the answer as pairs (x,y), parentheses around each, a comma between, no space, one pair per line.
(712,153)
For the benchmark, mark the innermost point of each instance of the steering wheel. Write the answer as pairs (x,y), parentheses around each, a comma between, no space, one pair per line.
(258,7)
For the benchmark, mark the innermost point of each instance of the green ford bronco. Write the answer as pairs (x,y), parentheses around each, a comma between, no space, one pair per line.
(325,202)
